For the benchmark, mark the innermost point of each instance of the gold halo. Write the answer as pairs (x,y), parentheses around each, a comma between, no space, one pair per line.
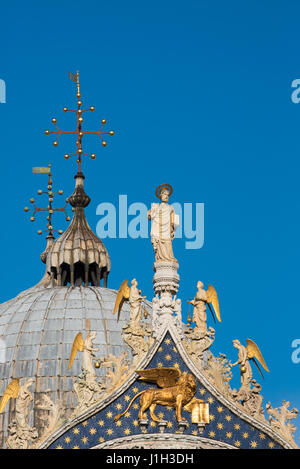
(159,189)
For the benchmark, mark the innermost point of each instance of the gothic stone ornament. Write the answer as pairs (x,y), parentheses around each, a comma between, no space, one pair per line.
(53,416)
(250,400)
(218,371)
(196,343)
(280,418)
(117,370)
(177,391)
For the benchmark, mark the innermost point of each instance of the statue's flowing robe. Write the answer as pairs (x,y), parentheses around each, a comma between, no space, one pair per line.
(135,304)
(161,231)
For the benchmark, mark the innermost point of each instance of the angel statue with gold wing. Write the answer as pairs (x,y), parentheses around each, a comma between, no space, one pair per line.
(133,296)
(21,434)
(88,352)
(203,298)
(250,352)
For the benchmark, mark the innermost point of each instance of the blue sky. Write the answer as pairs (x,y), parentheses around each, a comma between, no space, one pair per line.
(199,94)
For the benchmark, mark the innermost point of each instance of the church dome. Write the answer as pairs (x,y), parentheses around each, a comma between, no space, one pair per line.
(37,329)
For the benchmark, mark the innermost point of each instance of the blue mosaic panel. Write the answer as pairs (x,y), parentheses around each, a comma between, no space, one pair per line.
(224,425)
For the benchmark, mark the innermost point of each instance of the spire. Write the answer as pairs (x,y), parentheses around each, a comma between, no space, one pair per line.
(50,209)
(78,256)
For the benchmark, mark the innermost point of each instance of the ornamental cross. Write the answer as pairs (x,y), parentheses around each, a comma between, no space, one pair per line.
(79,131)
(50,209)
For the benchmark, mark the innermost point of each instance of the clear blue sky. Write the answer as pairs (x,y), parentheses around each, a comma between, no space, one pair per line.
(199,94)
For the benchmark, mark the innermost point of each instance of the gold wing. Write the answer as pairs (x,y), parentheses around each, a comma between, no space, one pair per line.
(12,390)
(254,352)
(78,346)
(122,295)
(163,377)
(212,298)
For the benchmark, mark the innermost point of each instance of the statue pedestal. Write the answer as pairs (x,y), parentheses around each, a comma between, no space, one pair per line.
(165,284)
(166,278)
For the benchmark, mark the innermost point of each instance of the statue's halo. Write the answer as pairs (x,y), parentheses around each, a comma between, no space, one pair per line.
(161,187)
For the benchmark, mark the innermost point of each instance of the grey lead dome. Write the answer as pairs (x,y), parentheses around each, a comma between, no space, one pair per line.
(37,329)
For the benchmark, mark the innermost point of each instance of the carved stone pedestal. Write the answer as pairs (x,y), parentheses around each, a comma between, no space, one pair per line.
(143,423)
(165,284)
(182,425)
(162,425)
(201,427)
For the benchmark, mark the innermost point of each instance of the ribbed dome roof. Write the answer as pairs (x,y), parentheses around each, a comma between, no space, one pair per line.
(78,256)
(38,328)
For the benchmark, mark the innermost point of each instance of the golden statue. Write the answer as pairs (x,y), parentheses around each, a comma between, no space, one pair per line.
(85,346)
(251,352)
(178,389)
(133,296)
(202,298)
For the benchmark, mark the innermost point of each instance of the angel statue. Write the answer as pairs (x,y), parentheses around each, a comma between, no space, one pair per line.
(87,388)
(88,352)
(251,352)
(164,222)
(202,298)
(21,435)
(133,295)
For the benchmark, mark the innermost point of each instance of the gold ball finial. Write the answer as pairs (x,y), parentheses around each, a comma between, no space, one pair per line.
(80,119)
(104,143)
(65,109)
(92,108)
(68,219)
(39,191)
(26,209)
(93,156)
(111,132)
(47,132)
(55,143)
(60,192)
(54,120)
(66,156)
(60,231)
(32,200)
(97,364)
(32,218)
(39,232)
(103,121)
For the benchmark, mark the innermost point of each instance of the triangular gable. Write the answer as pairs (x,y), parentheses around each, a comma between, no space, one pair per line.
(228,426)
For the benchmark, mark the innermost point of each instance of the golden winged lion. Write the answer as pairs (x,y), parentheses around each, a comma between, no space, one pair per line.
(177,390)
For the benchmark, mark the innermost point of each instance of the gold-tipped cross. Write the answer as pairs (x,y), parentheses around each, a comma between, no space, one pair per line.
(49,208)
(79,132)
